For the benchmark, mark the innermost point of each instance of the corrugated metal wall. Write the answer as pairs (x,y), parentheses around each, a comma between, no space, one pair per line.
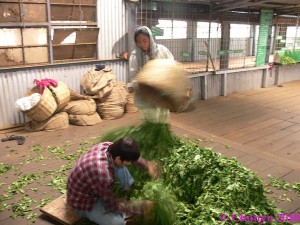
(195,84)
(289,73)
(243,81)
(112,23)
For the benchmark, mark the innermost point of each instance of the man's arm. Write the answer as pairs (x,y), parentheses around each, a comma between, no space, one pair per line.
(150,166)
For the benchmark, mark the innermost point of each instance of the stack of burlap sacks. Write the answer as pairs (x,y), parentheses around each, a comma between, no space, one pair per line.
(104,98)
(82,110)
(111,97)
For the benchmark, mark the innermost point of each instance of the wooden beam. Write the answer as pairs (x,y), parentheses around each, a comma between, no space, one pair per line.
(243,4)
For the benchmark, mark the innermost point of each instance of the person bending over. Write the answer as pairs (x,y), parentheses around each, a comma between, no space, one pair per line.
(91,181)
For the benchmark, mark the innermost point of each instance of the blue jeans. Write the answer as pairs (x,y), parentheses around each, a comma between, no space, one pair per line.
(102,216)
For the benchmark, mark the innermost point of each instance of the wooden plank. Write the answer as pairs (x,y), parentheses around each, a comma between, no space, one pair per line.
(60,211)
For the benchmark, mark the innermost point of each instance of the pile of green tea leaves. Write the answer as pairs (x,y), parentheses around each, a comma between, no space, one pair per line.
(200,184)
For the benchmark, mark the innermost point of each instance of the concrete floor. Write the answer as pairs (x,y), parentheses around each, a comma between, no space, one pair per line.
(261,128)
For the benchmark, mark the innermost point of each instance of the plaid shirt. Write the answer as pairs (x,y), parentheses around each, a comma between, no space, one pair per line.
(92,178)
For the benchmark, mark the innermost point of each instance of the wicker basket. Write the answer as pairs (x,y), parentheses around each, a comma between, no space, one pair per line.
(45,108)
(163,83)
(61,95)
(186,103)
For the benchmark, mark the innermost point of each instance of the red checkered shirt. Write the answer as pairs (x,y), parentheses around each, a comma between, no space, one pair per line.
(92,178)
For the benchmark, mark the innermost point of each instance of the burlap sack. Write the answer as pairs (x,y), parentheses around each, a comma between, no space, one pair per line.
(61,94)
(85,120)
(163,82)
(81,107)
(74,96)
(57,122)
(130,107)
(113,106)
(98,82)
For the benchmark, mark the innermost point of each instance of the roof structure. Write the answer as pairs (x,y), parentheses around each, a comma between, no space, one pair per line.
(280,7)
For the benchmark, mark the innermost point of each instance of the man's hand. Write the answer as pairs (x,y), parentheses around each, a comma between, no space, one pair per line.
(153,169)
(147,208)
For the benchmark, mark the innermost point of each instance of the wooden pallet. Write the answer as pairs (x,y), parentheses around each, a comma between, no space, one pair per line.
(60,211)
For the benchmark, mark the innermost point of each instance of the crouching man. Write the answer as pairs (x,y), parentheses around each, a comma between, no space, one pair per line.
(90,183)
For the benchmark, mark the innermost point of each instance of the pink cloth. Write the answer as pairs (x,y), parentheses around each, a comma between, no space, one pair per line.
(45,83)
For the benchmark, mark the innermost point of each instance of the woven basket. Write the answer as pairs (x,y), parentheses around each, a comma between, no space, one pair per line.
(45,108)
(61,94)
(186,103)
(163,83)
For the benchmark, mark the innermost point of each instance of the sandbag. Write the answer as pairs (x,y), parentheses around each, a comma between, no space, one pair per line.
(56,122)
(85,120)
(98,83)
(163,82)
(81,107)
(74,96)
(113,106)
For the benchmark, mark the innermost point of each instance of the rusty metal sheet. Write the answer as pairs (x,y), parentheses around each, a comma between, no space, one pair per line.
(83,35)
(74,2)
(84,51)
(11,57)
(34,13)
(73,13)
(24,1)
(36,55)
(61,34)
(35,36)
(9,12)
(62,52)
(88,35)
